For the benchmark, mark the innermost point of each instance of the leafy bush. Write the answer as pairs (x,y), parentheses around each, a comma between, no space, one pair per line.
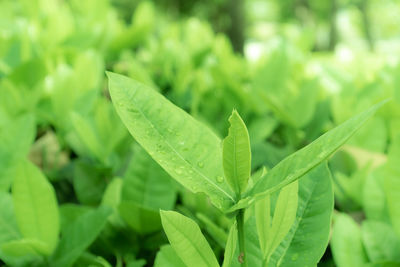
(77,190)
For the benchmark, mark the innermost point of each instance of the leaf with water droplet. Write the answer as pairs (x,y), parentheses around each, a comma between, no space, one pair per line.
(175,130)
(220,179)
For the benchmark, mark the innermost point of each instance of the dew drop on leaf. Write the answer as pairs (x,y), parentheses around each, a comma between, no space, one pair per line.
(220,179)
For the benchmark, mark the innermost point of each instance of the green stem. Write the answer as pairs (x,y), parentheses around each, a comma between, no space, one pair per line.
(242,251)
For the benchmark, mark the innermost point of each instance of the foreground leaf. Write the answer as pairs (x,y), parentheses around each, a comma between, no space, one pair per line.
(305,159)
(35,206)
(79,235)
(308,236)
(230,247)
(284,216)
(186,149)
(187,240)
(236,154)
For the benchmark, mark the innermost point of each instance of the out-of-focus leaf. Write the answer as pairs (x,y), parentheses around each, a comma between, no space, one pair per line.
(35,206)
(79,235)
(380,241)
(346,244)
(167,257)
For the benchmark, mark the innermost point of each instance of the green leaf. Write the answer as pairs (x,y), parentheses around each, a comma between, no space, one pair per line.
(381,242)
(87,134)
(305,159)
(263,223)
(167,257)
(89,181)
(35,206)
(216,232)
(392,184)
(16,138)
(187,240)
(141,219)
(230,247)
(346,243)
(308,237)
(25,247)
(8,224)
(186,149)
(374,198)
(284,216)
(147,184)
(236,154)
(79,235)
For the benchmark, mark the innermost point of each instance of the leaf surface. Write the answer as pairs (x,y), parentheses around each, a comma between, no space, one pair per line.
(308,236)
(79,235)
(167,257)
(185,148)
(299,163)
(230,247)
(187,240)
(380,241)
(35,205)
(346,244)
(236,154)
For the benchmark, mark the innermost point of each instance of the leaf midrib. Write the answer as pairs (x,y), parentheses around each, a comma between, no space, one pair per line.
(188,238)
(297,224)
(172,148)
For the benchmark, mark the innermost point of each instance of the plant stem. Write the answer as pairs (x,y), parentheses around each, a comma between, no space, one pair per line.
(242,250)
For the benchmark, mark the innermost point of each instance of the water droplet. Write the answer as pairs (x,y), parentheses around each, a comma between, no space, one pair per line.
(200,164)
(220,179)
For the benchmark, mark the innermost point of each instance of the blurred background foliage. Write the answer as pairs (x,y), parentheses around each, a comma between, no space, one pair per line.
(293,68)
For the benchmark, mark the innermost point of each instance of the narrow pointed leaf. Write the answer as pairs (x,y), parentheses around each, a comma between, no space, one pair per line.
(284,216)
(307,239)
(230,247)
(187,240)
(299,163)
(263,222)
(185,148)
(35,205)
(236,154)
